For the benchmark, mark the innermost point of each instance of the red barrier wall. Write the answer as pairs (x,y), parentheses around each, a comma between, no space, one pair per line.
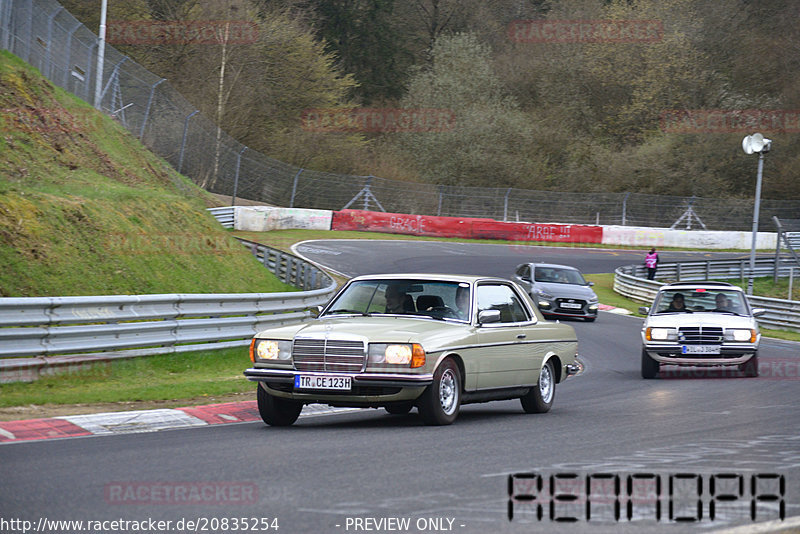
(398,223)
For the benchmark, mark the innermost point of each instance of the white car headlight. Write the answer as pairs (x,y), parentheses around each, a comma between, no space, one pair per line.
(397,354)
(661,334)
(741,335)
(271,349)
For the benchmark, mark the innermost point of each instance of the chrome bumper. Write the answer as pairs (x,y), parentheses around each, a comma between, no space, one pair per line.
(361,379)
(574,369)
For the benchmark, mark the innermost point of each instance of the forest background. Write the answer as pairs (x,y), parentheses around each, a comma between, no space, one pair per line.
(559,115)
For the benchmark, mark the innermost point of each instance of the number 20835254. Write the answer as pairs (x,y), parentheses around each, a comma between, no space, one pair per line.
(655,497)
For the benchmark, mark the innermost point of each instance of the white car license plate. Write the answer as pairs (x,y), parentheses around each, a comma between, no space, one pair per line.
(340,383)
(700,349)
(571,305)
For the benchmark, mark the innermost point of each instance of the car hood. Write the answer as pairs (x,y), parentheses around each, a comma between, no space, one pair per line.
(678,320)
(570,291)
(431,333)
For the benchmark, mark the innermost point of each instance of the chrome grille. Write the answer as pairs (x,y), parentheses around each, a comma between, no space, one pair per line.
(332,355)
(698,335)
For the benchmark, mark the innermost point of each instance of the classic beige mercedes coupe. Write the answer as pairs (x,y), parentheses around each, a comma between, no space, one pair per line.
(399,341)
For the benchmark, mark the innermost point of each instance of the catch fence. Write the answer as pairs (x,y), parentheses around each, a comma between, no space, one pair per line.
(45,35)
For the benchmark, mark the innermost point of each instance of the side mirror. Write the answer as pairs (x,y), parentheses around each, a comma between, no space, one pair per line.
(315,311)
(525,278)
(644,310)
(489,316)
(590,284)
(758,312)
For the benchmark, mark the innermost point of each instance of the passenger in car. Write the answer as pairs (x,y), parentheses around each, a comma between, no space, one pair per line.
(723,303)
(677,303)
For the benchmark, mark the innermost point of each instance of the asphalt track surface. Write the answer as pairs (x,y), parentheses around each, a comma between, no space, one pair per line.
(367,471)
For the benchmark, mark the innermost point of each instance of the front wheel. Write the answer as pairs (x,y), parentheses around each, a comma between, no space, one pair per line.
(750,367)
(540,397)
(649,366)
(276,411)
(440,402)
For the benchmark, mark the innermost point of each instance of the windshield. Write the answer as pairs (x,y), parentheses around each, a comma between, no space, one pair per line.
(558,275)
(701,300)
(430,298)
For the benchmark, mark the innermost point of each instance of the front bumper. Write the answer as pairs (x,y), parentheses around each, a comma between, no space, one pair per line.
(672,355)
(575,368)
(361,379)
(368,389)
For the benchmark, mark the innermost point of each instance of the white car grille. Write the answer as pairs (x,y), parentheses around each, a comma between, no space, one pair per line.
(330,355)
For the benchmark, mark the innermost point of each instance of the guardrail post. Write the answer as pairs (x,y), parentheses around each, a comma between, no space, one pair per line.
(678,271)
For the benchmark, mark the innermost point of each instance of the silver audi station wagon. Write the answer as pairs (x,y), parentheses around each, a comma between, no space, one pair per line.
(401,341)
(700,324)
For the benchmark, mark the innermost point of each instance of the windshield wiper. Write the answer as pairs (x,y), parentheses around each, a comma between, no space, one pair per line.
(343,310)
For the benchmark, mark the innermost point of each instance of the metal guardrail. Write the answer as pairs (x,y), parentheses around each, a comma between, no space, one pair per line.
(631,282)
(40,334)
(226,215)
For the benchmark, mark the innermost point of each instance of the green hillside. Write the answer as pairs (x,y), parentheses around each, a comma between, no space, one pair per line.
(85,209)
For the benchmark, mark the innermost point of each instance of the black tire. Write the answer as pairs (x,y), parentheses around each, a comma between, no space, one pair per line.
(590,319)
(649,366)
(276,411)
(540,397)
(750,367)
(440,402)
(400,408)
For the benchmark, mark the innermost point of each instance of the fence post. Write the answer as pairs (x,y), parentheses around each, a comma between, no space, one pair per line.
(147,109)
(183,141)
(89,63)
(625,208)
(236,176)
(67,67)
(294,188)
(5,24)
(505,205)
(441,194)
(47,68)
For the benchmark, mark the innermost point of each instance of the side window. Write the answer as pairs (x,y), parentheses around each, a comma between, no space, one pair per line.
(503,298)
(524,271)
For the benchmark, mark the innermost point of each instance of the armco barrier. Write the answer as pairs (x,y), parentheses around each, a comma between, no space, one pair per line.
(424,225)
(39,335)
(630,282)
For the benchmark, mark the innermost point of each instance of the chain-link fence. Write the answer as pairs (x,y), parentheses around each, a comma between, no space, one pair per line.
(45,35)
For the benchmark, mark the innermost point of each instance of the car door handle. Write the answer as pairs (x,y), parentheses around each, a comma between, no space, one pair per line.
(521,336)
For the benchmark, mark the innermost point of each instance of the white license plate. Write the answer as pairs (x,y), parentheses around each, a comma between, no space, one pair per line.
(340,383)
(700,349)
(571,305)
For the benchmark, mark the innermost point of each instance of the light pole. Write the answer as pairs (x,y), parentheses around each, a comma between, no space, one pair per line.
(750,144)
(98,83)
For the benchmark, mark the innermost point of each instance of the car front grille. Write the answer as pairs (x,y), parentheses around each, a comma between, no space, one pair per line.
(699,335)
(331,355)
